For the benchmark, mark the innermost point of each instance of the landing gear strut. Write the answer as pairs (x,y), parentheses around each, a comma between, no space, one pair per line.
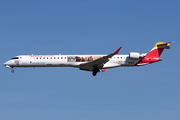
(12,70)
(95,71)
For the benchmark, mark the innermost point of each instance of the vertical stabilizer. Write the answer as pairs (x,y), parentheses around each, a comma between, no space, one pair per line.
(157,50)
(154,54)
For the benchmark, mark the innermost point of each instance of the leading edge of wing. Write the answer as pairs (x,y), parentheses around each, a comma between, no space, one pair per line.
(99,62)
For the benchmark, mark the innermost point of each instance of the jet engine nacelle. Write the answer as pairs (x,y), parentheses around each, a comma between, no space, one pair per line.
(134,55)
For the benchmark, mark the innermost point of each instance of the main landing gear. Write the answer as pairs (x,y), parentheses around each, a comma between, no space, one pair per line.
(95,71)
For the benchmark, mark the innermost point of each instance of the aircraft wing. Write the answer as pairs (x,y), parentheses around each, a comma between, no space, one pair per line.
(98,62)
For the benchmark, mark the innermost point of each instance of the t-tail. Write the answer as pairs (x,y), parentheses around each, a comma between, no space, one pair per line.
(154,54)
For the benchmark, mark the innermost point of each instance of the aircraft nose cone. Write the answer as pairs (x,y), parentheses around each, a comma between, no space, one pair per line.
(160,59)
(5,64)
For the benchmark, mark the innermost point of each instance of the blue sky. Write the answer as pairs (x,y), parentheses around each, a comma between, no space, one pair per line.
(89,27)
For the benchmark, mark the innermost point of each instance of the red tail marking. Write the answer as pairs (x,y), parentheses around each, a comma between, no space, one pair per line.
(155,53)
(151,56)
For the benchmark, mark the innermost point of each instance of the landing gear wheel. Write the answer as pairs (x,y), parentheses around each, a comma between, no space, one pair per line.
(12,70)
(94,73)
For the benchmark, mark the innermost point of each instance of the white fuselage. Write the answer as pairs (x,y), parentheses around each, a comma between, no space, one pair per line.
(67,61)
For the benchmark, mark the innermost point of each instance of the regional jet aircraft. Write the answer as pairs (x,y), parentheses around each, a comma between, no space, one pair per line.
(94,63)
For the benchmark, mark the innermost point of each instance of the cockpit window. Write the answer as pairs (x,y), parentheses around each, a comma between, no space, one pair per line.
(15,58)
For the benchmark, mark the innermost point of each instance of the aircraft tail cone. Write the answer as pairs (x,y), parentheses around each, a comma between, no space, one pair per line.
(160,59)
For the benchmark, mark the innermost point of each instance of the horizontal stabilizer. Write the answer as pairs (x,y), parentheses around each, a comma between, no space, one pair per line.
(163,45)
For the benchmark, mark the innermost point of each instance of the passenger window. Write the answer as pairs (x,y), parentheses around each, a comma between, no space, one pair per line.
(64,57)
(37,58)
(61,57)
(54,57)
(40,58)
(50,57)
(57,57)
(43,57)
(47,57)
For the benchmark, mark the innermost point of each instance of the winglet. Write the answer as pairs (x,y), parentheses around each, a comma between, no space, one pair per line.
(117,51)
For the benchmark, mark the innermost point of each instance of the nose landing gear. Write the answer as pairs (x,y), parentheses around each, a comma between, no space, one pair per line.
(12,70)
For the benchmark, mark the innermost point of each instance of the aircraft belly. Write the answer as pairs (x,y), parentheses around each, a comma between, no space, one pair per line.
(111,65)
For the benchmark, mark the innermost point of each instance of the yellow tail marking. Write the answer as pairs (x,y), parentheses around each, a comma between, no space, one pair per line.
(160,43)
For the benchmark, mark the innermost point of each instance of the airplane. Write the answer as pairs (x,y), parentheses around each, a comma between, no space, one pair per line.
(94,63)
